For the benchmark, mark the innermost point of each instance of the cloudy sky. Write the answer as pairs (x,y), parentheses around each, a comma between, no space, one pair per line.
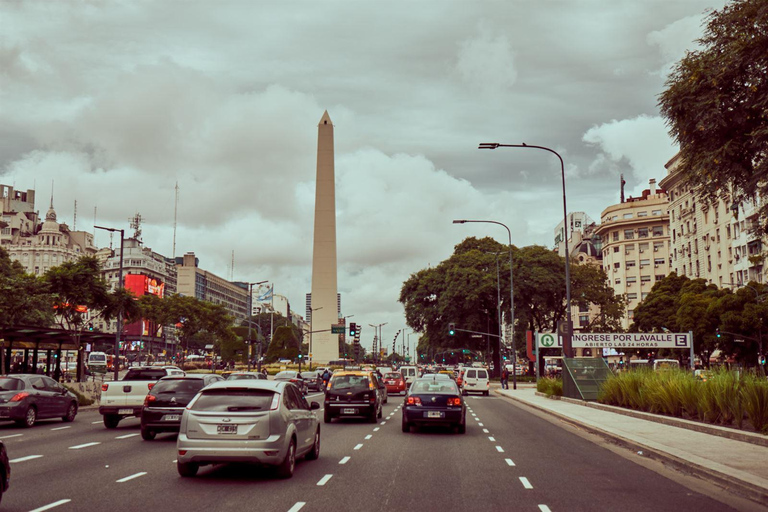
(118,101)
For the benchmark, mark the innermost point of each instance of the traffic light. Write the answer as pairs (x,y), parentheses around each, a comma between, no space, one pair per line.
(300,356)
(352,329)
(717,332)
(762,359)
(451,329)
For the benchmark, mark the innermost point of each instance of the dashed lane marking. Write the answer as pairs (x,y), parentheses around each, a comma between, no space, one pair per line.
(376,429)
(480,425)
(13,435)
(86,445)
(298,506)
(126,436)
(509,462)
(22,459)
(485,431)
(174,461)
(358,446)
(135,475)
(526,483)
(544,508)
(96,422)
(344,460)
(492,439)
(62,428)
(383,423)
(368,436)
(324,480)
(52,505)
(500,449)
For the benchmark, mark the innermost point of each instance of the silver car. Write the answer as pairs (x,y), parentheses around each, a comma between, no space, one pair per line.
(252,421)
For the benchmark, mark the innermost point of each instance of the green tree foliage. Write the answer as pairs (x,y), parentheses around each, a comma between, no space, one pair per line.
(284,345)
(24,298)
(196,319)
(715,104)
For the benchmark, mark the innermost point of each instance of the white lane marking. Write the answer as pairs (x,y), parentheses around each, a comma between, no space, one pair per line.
(86,445)
(526,483)
(135,475)
(298,506)
(500,449)
(61,428)
(14,435)
(48,507)
(493,439)
(344,460)
(383,423)
(324,480)
(485,431)
(22,459)
(368,436)
(174,462)
(509,462)
(96,422)
(376,429)
(126,436)
(358,446)
(544,508)
(480,424)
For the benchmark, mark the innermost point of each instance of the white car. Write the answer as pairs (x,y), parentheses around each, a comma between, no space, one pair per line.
(476,380)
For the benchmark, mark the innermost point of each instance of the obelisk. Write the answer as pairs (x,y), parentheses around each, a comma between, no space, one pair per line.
(325,345)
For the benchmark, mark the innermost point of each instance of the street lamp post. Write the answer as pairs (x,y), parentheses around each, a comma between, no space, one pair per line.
(120,310)
(378,335)
(567,349)
(250,321)
(511,300)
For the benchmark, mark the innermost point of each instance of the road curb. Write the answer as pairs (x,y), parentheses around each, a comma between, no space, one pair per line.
(725,480)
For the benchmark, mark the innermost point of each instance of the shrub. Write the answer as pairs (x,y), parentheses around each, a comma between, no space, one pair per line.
(754,396)
(550,386)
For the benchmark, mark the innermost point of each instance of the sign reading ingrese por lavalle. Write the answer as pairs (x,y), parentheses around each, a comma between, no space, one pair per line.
(618,340)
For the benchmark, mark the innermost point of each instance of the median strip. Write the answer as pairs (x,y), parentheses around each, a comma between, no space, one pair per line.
(526,483)
(22,459)
(86,445)
(52,505)
(136,475)
(324,480)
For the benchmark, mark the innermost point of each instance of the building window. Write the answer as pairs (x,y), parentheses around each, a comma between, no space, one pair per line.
(631,314)
(642,214)
(583,320)
(658,230)
(659,277)
(617,280)
(643,247)
(643,295)
(631,263)
(629,234)
(644,263)
(656,212)
(632,296)
(631,279)
(642,233)
(615,236)
(645,279)
(616,249)
(658,261)
(627,216)
(617,265)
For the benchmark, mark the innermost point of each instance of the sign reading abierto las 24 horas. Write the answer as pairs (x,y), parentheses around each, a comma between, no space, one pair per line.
(618,340)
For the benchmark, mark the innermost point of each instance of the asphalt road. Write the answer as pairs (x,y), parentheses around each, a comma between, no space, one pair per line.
(509,459)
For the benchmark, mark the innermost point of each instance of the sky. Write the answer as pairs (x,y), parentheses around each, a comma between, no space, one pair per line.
(110,104)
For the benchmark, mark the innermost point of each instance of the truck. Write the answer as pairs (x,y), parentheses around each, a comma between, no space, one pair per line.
(125,398)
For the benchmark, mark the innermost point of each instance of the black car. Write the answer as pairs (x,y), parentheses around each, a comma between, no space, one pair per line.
(26,398)
(5,470)
(314,380)
(355,393)
(165,403)
(293,377)
(434,401)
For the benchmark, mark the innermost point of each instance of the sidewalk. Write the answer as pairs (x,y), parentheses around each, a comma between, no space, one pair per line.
(738,466)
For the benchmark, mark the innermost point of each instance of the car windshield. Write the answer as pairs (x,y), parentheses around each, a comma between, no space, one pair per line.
(233,400)
(178,386)
(11,384)
(286,375)
(340,382)
(393,376)
(97,358)
(434,386)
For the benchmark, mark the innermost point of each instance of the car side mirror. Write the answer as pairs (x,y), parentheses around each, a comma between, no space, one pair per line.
(314,406)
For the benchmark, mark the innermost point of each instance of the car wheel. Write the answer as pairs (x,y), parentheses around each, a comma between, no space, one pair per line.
(187,469)
(372,417)
(30,417)
(111,420)
(486,393)
(327,416)
(71,413)
(314,453)
(147,435)
(381,412)
(462,427)
(285,469)
(406,426)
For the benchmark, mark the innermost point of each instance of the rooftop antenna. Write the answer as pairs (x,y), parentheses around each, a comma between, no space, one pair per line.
(622,183)
(94,223)
(175,212)
(136,226)
(232,268)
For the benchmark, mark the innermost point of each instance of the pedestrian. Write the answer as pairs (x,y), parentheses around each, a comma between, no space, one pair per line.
(505,378)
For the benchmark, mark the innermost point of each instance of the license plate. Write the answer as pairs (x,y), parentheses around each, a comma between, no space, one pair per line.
(226,429)
(434,414)
(172,417)
(125,411)
(349,411)
(393,382)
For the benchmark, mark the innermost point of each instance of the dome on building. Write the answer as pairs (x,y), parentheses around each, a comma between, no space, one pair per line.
(588,248)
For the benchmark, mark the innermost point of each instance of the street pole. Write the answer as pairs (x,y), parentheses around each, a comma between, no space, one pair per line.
(120,310)
(567,348)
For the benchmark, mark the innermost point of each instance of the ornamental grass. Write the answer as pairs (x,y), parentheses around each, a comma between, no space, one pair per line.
(550,386)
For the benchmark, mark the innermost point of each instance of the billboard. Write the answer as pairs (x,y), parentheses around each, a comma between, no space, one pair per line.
(140,285)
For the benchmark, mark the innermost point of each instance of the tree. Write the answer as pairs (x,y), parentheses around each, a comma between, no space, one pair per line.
(715,104)
(284,345)
(199,321)
(24,298)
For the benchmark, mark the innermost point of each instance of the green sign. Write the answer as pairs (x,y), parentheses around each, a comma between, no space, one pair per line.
(547,340)
(465,351)
(407,359)
(338,329)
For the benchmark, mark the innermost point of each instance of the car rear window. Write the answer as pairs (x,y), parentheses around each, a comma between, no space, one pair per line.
(233,400)
(393,376)
(434,386)
(286,375)
(472,374)
(482,374)
(148,374)
(178,386)
(349,382)
(11,384)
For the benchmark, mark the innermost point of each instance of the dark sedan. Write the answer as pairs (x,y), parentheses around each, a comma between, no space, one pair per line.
(314,380)
(434,401)
(27,398)
(293,377)
(5,470)
(165,403)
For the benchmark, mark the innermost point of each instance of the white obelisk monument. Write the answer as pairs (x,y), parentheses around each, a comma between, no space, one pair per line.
(325,345)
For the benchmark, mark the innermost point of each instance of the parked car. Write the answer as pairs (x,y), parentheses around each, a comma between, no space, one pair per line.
(434,401)
(313,379)
(476,380)
(5,470)
(246,375)
(395,383)
(293,377)
(250,421)
(166,401)
(353,393)
(26,398)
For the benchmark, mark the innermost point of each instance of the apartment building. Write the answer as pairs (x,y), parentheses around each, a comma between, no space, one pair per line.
(636,245)
(19,218)
(193,281)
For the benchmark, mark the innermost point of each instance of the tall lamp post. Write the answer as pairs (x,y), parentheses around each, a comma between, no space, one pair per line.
(250,321)
(120,310)
(511,300)
(378,335)
(567,349)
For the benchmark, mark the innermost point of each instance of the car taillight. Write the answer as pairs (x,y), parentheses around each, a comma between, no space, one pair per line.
(104,387)
(454,401)
(149,398)
(275,402)
(151,385)
(18,397)
(414,400)
(182,452)
(373,397)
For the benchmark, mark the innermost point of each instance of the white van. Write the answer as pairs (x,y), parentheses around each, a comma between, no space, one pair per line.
(410,373)
(97,362)
(476,380)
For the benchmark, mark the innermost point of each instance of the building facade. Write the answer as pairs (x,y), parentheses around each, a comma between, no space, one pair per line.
(19,218)
(192,281)
(636,245)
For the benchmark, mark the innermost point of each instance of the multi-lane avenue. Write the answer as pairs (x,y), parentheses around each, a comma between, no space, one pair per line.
(509,459)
